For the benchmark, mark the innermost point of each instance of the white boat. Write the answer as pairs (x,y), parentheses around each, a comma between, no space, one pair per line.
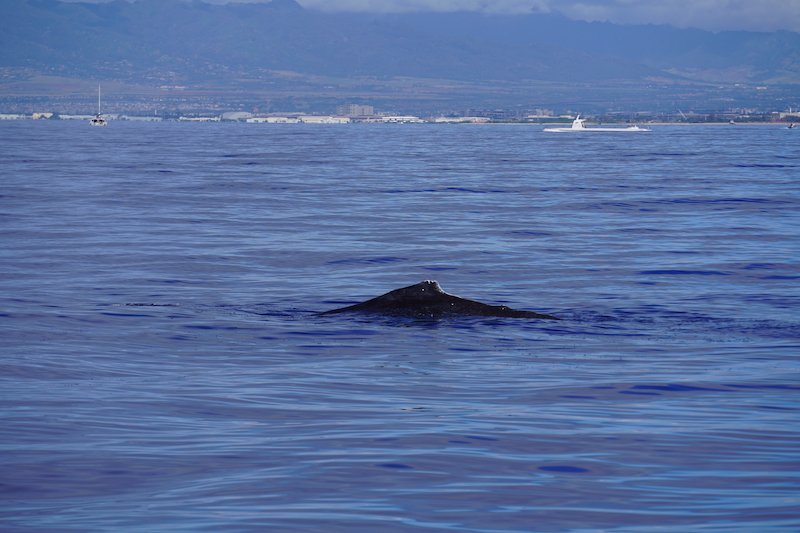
(578,126)
(98,119)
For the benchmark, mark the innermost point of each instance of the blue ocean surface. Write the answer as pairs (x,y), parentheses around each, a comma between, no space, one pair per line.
(163,366)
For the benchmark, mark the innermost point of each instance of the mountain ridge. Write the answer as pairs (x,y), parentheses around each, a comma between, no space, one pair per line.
(239,46)
(463,46)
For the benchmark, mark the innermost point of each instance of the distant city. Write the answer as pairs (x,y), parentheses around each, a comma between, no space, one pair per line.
(363,113)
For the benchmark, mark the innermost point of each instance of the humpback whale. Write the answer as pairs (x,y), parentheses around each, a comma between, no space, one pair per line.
(427,300)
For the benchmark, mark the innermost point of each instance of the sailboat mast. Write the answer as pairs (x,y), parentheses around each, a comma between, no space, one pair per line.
(98,119)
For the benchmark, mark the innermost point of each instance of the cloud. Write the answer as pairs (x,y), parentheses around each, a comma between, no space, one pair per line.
(399,6)
(758,15)
(715,15)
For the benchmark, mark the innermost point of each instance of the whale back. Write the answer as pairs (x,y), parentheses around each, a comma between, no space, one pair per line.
(428,299)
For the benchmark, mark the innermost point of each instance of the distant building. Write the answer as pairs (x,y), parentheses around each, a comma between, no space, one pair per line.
(236,115)
(316,119)
(496,114)
(273,120)
(198,119)
(75,117)
(136,118)
(355,110)
(401,119)
(299,119)
(539,114)
(461,120)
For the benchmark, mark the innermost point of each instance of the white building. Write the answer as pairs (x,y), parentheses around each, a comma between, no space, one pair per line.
(236,115)
(323,119)
(462,120)
(76,117)
(198,119)
(144,118)
(401,119)
(272,120)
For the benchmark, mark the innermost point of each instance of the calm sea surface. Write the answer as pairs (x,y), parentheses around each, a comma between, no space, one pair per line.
(162,366)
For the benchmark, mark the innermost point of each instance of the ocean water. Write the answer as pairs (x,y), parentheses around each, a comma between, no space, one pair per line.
(163,367)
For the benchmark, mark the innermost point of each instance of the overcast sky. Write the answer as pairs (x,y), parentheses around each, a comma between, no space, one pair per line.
(760,15)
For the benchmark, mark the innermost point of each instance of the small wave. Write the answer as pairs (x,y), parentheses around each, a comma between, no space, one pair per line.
(683,273)
(762,266)
(447,190)
(677,387)
(654,156)
(532,233)
(693,201)
(206,327)
(763,386)
(150,305)
(567,469)
(474,191)
(762,165)
(439,268)
(368,260)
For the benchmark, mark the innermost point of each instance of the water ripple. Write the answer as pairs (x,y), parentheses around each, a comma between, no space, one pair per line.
(164,367)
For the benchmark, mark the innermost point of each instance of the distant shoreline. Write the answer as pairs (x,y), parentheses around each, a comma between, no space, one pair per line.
(426,121)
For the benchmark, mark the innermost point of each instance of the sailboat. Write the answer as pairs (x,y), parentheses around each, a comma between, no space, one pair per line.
(98,119)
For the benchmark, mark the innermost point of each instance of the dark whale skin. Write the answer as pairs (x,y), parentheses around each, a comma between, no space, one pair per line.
(427,300)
